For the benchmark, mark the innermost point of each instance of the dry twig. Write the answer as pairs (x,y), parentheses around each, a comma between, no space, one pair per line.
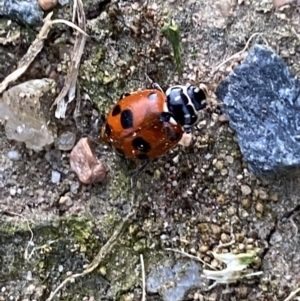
(69,87)
(34,50)
(98,258)
(236,54)
(143,277)
(292,295)
(190,256)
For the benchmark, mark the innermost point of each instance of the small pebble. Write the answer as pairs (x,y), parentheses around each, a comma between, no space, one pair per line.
(208,156)
(47,4)
(63,2)
(229,159)
(65,141)
(55,176)
(219,165)
(74,187)
(12,191)
(224,172)
(246,190)
(86,165)
(13,155)
(60,268)
(29,276)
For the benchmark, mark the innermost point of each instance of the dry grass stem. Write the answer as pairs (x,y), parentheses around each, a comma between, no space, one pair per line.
(238,53)
(34,50)
(143,278)
(190,256)
(69,88)
(98,258)
(292,295)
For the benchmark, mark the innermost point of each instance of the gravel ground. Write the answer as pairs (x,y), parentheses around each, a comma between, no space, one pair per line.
(191,198)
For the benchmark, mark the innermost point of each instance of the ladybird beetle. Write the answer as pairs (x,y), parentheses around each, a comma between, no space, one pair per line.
(182,106)
(146,124)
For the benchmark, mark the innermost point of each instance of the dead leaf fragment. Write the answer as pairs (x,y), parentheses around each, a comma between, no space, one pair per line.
(86,165)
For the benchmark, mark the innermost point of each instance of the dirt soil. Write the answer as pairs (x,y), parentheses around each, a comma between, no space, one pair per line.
(190,199)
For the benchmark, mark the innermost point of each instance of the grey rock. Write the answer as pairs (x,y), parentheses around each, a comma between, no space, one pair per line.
(174,282)
(24,11)
(261,99)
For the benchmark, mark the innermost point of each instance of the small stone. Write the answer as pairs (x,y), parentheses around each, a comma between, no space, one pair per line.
(55,176)
(229,159)
(75,187)
(186,139)
(224,172)
(13,155)
(262,194)
(47,4)
(12,191)
(65,200)
(225,238)
(29,276)
(85,164)
(203,248)
(246,190)
(219,165)
(63,2)
(274,197)
(65,141)
(208,156)
(259,207)
(231,211)
(60,268)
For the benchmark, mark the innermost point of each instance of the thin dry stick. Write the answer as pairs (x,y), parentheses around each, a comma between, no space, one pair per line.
(97,260)
(190,256)
(30,242)
(236,54)
(10,38)
(34,50)
(143,278)
(69,87)
(292,295)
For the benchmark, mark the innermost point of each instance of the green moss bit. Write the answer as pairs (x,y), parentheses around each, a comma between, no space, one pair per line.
(171,32)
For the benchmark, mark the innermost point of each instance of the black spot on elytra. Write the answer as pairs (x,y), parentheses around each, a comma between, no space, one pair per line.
(107,130)
(141,144)
(152,96)
(142,157)
(127,119)
(116,110)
